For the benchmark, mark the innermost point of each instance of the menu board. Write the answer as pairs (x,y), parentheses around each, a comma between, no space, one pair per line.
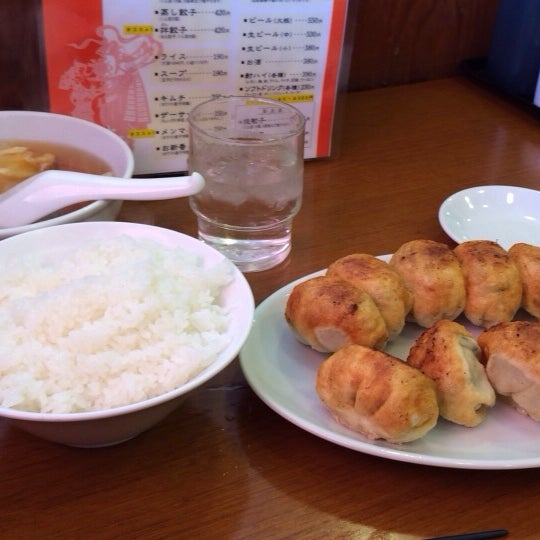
(139,67)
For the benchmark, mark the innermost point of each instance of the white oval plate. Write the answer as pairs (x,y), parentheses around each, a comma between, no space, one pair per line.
(504,214)
(282,372)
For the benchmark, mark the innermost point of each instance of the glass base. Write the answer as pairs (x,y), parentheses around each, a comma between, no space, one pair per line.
(250,250)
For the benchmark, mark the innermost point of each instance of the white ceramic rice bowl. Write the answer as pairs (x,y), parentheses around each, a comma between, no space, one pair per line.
(77,133)
(112,426)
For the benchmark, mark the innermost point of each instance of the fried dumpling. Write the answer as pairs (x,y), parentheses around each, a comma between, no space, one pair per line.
(511,352)
(449,355)
(492,282)
(527,259)
(327,313)
(432,273)
(377,395)
(381,282)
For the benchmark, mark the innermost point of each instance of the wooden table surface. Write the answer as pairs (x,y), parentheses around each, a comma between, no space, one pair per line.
(225,465)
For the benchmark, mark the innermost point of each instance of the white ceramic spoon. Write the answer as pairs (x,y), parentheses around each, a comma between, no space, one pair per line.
(48,191)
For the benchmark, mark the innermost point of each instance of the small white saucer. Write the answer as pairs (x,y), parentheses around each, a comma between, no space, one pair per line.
(504,214)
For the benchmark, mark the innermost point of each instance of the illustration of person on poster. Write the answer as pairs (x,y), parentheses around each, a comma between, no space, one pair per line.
(104,79)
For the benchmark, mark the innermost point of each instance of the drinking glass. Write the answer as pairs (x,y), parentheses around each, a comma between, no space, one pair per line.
(250,151)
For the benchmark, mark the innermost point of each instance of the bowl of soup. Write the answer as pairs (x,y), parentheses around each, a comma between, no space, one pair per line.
(32,141)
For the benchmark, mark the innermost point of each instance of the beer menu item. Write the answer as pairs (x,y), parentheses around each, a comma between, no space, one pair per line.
(138,68)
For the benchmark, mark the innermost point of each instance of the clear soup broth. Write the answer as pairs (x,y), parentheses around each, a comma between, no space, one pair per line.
(66,158)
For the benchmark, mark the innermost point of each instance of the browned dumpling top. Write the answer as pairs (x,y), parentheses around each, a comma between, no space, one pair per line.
(377,395)
(492,281)
(432,273)
(327,313)
(381,282)
(527,259)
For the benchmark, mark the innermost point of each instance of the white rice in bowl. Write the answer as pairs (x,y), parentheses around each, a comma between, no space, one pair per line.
(112,323)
